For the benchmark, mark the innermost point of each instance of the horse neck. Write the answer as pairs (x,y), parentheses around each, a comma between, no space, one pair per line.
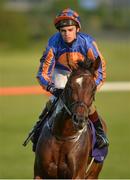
(62,125)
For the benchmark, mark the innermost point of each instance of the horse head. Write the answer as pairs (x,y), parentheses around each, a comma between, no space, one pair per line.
(80,91)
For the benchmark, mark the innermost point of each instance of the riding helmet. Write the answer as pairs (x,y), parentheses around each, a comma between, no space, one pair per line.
(67,17)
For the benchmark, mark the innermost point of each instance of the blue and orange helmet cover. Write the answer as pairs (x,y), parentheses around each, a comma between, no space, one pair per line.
(67,14)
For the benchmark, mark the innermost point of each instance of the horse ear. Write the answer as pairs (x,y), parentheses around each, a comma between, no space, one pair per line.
(96,63)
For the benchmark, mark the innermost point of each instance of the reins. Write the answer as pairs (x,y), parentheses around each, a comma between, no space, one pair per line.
(69,138)
(65,106)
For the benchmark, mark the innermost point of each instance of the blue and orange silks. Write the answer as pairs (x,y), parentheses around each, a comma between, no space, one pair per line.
(59,55)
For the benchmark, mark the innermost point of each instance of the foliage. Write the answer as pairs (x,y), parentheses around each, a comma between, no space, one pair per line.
(21,29)
(13,28)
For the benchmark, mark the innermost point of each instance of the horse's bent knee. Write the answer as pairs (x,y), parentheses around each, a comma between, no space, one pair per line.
(37,177)
(52,170)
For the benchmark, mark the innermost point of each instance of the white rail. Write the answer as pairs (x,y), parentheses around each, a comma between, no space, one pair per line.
(116,86)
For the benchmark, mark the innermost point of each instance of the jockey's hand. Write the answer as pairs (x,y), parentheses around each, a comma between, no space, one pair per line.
(53,90)
(58,92)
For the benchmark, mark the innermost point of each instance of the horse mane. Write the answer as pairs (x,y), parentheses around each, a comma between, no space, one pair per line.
(87,64)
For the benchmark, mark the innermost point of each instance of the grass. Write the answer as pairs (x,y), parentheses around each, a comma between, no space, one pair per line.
(19,113)
(20,68)
(114,107)
(117,55)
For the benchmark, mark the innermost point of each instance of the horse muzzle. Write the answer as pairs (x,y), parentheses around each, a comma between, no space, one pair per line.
(79,121)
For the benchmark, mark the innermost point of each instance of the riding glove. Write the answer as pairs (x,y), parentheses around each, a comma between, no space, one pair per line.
(53,90)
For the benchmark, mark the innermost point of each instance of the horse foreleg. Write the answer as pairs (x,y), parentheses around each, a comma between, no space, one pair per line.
(37,170)
(37,177)
(94,170)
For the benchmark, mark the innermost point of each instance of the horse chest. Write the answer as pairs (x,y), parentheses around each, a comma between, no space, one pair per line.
(66,159)
(60,166)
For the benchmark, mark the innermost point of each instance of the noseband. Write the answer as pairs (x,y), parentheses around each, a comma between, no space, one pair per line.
(76,103)
(75,118)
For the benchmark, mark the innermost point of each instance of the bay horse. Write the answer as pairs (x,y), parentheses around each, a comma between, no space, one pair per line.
(65,144)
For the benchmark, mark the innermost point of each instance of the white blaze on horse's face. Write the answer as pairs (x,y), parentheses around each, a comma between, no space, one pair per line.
(79,81)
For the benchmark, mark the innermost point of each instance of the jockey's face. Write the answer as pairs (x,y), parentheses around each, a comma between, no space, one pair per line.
(68,33)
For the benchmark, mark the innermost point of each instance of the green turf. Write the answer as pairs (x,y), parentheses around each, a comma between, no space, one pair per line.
(117,55)
(18,114)
(20,68)
(114,107)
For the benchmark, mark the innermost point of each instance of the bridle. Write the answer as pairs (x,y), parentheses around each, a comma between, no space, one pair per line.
(69,107)
(77,120)
(75,103)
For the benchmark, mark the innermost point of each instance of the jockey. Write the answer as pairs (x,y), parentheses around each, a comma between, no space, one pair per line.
(64,49)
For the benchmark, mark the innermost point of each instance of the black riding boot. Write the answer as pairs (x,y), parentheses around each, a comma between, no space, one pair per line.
(38,128)
(102,140)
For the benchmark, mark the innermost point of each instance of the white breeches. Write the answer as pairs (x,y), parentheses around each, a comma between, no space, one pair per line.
(60,78)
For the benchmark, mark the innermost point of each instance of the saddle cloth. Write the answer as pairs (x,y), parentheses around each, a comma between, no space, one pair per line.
(98,154)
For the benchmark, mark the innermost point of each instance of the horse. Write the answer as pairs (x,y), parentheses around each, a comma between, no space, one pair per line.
(65,144)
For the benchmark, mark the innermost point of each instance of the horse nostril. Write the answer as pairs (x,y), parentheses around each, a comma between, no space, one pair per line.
(81,119)
(75,118)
